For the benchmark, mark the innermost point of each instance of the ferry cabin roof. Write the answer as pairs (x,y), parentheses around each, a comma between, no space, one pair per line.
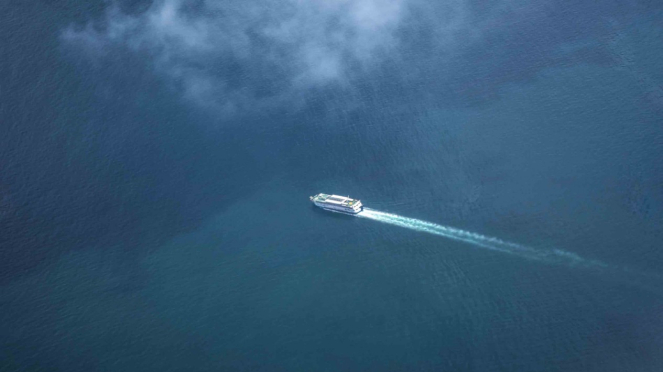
(336,199)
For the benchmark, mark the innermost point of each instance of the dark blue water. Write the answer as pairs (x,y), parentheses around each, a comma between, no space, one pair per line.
(156,159)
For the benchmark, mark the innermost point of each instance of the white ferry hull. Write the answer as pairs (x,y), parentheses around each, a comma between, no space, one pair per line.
(335,203)
(338,210)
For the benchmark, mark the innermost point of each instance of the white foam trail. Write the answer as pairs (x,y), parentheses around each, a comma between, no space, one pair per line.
(647,281)
(495,244)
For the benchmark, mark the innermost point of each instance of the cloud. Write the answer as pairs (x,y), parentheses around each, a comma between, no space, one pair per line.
(244,54)
(240,51)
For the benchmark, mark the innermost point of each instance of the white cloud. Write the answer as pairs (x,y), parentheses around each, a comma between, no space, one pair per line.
(306,43)
(236,53)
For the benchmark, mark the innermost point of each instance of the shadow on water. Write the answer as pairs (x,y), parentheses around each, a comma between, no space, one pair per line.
(113,159)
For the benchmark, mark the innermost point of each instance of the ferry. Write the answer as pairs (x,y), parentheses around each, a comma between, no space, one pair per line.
(337,203)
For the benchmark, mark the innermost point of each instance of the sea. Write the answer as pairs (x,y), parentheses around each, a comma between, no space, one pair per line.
(156,160)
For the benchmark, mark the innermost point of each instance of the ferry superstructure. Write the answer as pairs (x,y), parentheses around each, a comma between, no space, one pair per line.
(337,203)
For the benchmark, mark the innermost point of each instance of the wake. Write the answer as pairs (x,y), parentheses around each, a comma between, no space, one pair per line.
(650,282)
(478,240)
